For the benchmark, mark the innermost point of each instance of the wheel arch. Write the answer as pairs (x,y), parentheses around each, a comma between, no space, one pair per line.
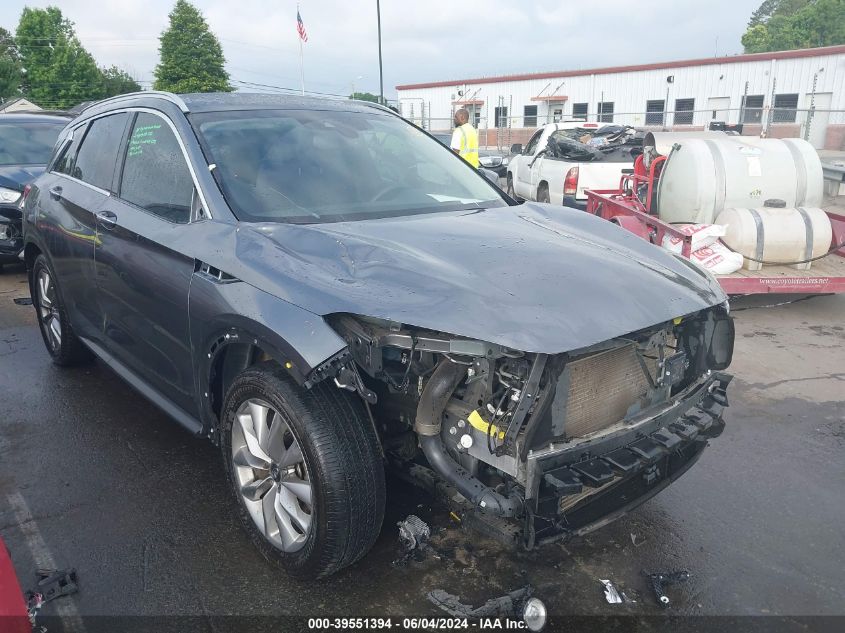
(541,186)
(30,251)
(235,325)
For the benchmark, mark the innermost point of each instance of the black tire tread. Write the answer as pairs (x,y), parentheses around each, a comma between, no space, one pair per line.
(72,350)
(350,462)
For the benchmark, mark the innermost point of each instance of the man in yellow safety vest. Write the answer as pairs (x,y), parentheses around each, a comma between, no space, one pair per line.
(465,138)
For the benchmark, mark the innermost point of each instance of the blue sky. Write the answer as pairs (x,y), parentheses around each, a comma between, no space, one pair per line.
(422,41)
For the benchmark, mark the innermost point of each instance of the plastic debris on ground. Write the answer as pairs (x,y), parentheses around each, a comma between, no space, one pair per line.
(414,534)
(610,592)
(52,584)
(508,606)
(660,580)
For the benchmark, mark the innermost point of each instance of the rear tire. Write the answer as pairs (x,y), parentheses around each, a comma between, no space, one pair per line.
(543,194)
(305,469)
(62,344)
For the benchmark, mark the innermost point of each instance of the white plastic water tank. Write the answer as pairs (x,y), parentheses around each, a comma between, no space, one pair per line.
(703,176)
(776,235)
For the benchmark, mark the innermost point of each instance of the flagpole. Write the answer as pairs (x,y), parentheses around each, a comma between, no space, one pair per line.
(380,73)
(301,60)
(301,68)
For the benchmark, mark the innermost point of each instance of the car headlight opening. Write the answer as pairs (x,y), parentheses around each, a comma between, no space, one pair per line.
(9,196)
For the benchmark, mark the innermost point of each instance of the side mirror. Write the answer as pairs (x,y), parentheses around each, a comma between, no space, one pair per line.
(516,148)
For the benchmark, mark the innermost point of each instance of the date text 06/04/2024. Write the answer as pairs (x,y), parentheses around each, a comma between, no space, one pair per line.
(413,624)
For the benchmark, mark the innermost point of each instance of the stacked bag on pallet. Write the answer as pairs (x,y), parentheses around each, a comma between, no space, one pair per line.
(705,250)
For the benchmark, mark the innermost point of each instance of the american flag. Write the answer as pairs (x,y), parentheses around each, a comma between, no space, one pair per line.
(300,27)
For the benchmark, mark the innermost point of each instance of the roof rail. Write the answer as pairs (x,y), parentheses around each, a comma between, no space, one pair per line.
(167,96)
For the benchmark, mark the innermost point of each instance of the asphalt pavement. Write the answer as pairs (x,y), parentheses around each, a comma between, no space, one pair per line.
(95,477)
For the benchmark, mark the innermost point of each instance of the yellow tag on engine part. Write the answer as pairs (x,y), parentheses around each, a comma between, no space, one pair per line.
(478,422)
(677,320)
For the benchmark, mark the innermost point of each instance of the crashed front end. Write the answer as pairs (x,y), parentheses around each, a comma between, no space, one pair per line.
(537,447)
(11,237)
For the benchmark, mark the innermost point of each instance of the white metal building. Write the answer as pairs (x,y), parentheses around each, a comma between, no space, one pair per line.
(799,93)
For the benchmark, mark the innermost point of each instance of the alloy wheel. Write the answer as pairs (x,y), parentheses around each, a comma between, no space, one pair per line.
(271,474)
(48,308)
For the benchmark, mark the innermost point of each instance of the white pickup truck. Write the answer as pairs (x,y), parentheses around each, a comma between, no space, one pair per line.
(563,159)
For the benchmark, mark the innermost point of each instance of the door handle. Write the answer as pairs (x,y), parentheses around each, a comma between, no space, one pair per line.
(107,220)
(56,192)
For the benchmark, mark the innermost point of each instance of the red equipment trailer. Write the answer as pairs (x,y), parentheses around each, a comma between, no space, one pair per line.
(623,207)
(13,613)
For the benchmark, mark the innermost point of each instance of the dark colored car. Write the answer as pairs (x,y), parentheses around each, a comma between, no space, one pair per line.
(320,288)
(26,142)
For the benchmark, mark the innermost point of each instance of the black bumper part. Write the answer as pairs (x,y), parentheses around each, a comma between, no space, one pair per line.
(624,478)
(10,248)
(595,472)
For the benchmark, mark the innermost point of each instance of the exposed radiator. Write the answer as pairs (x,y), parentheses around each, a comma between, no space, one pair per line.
(602,388)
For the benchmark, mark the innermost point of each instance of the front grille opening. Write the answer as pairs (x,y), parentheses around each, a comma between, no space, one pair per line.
(606,387)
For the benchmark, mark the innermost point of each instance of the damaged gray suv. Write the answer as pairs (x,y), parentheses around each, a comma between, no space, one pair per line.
(323,290)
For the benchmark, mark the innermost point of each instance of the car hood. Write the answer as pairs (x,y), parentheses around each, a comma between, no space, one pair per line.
(17,176)
(532,277)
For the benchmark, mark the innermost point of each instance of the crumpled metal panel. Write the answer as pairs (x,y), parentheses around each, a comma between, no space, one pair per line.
(533,277)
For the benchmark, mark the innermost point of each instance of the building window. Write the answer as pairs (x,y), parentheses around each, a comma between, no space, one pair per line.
(752,109)
(579,110)
(477,118)
(605,111)
(501,114)
(529,116)
(785,106)
(654,112)
(684,111)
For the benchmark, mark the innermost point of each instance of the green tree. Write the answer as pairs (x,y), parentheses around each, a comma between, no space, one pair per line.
(770,8)
(786,24)
(117,82)
(10,66)
(191,58)
(58,71)
(365,96)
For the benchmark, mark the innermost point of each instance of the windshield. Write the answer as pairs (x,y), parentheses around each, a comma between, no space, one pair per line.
(323,166)
(28,143)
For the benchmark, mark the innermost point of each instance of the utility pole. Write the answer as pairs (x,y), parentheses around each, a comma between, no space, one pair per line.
(380,72)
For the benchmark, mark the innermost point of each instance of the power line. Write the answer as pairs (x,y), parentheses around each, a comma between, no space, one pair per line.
(313,92)
(266,74)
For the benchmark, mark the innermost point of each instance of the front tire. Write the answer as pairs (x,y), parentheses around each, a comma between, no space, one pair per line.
(305,469)
(511,192)
(62,344)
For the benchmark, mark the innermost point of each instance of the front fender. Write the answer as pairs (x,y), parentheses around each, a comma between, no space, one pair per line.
(226,312)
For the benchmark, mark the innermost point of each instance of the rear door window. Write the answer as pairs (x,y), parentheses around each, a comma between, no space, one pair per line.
(96,158)
(155,175)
